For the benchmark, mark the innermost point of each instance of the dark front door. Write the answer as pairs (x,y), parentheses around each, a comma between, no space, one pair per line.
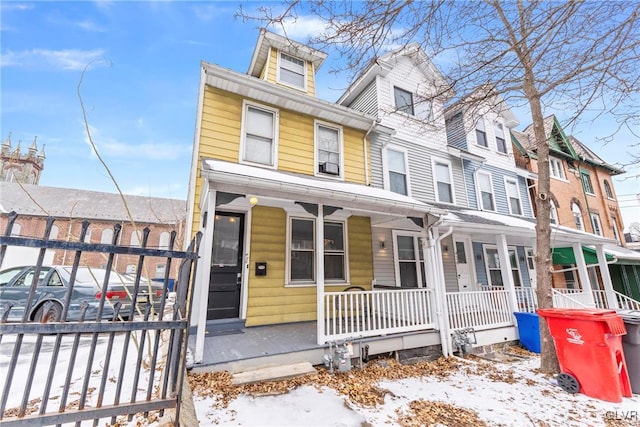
(225,279)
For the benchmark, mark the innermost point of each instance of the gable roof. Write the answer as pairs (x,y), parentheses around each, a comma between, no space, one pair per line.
(592,158)
(385,63)
(38,200)
(560,145)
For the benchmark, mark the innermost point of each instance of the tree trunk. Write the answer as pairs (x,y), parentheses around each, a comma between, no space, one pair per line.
(548,357)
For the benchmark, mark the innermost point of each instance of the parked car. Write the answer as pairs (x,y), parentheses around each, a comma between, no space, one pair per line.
(53,282)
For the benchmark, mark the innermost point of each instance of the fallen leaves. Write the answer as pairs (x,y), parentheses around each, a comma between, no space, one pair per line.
(426,413)
(358,385)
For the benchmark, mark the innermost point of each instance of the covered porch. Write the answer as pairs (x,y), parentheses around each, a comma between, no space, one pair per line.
(306,254)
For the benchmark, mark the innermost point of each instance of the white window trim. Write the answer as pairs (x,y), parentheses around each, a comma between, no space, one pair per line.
(479,193)
(435,180)
(395,107)
(553,209)
(304,89)
(606,183)
(573,214)
(385,167)
(417,249)
(614,228)
(507,179)
(276,121)
(312,283)
(316,170)
(484,130)
(595,218)
(563,178)
(486,263)
(497,123)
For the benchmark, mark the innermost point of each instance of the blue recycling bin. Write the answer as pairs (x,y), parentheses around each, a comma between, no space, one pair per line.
(529,330)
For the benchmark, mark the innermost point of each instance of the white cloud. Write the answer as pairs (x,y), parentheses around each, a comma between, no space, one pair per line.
(65,59)
(15,6)
(211,11)
(90,26)
(302,28)
(169,191)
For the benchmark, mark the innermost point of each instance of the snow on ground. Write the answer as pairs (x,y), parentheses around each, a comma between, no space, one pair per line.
(501,394)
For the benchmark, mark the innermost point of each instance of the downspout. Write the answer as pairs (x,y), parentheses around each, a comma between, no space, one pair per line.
(367,181)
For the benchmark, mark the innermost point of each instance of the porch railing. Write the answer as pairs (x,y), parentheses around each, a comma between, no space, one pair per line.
(374,313)
(625,302)
(600,298)
(570,298)
(479,309)
(527,299)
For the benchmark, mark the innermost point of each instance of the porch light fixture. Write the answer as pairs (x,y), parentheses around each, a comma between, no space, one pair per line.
(446,249)
(253,200)
(381,244)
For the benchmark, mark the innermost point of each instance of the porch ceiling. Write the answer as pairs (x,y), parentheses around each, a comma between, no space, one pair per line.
(519,230)
(238,178)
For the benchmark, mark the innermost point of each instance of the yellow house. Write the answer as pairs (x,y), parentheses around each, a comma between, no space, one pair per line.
(280,188)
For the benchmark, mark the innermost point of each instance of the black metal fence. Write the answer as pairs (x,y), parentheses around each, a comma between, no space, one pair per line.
(60,368)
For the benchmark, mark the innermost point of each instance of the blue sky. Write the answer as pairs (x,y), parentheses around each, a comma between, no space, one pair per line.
(140,91)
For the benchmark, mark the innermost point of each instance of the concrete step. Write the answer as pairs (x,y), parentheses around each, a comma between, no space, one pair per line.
(273,373)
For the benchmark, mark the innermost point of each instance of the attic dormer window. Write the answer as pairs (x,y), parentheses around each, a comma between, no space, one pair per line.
(292,71)
(404,100)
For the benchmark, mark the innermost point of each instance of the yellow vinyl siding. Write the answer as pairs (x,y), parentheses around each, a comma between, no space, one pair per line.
(269,301)
(272,72)
(360,252)
(220,136)
(311,85)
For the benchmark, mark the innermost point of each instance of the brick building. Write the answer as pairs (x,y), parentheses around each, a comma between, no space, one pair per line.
(70,207)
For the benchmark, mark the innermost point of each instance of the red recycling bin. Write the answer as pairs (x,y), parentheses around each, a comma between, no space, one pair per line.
(589,348)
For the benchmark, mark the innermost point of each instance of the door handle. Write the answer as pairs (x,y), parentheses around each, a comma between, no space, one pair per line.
(239,279)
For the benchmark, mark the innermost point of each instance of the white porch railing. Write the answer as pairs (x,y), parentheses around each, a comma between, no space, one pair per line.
(527,299)
(479,309)
(600,297)
(373,313)
(570,298)
(625,302)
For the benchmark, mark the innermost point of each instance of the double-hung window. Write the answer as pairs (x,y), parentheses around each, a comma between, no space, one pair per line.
(556,168)
(395,164)
(329,149)
(553,213)
(607,189)
(597,225)
(410,271)
(493,266)
(403,100)
(614,228)
(577,215)
(513,196)
(302,251)
(586,182)
(292,71)
(481,134)
(443,181)
(334,251)
(485,190)
(501,143)
(259,135)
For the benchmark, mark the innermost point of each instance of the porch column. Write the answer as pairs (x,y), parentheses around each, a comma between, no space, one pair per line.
(505,270)
(534,282)
(439,292)
(612,301)
(203,273)
(320,275)
(585,284)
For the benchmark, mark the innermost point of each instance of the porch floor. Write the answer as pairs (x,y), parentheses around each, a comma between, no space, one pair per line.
(234,351)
